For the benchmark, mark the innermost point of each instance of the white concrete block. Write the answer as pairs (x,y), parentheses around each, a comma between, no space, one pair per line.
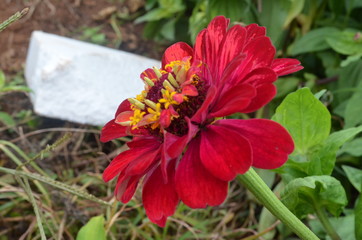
(81,82)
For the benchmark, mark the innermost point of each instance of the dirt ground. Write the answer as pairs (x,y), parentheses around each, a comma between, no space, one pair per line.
(68,18)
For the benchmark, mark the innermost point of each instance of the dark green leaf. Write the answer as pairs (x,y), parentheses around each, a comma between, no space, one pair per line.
(303,195)
(93,230)
(353,116)
(358,218)
(233,9)
(306,119)
(286,85)
(354,175)
(313,41)
(353,147)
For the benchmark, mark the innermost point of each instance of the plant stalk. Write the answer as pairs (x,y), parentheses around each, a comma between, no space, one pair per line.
(262,192)
(321,214)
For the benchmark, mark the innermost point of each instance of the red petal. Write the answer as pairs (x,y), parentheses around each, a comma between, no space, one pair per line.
(284,66)
(195,186)
(260,76)
(211,42)
(270,142)
(150,73)
(112,131)
(224,152)
(234,100)
(124,116)
(174,145)
(259,53)
(138,149)
(231,47)
(140,165)
(124,106)
(264,94)
(176,52)
(254,31)
(126,187)
(160,199)
(190,90)
(203,111)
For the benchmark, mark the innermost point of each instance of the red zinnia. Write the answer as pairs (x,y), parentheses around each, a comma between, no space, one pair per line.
(182,146)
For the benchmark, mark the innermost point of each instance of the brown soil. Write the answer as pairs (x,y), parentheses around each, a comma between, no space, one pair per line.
(68,18)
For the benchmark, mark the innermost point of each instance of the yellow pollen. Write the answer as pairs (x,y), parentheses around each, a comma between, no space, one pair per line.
(137,117)
(157,72)
(155,115)
(167,99)
(137,103)
(141,97)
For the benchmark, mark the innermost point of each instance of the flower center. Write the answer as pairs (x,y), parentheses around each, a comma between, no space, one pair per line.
(170,95)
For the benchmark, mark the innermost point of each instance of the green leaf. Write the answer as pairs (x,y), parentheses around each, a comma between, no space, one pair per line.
(354,175)
(313,41)
(358,218)
(345,42)
(344,226)
(274,17)
(285,85)
(93,230)
(233,9)
(294,10)
(303,195)
(306,119)
(154,15)
(2,79)
(322,160)
(7,119)
(352,148)
(353,116)
(349,79)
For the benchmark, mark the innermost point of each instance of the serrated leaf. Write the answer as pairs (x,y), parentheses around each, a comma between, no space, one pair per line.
(313,41)
(93,230)
(303,195)
(306,119)
(354,175)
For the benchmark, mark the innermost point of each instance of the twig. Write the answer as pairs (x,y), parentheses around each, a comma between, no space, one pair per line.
(13,18)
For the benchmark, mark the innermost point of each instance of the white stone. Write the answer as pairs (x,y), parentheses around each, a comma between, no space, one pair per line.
(81,82)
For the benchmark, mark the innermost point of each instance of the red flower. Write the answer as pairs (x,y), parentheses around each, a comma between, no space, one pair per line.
(182,146)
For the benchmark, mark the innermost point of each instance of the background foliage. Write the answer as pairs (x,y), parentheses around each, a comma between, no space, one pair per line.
(320,106)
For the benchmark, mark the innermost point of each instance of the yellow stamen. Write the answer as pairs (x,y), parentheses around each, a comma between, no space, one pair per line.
(157,71)
(137,117)
(155,113)
(167,99)
(168,86)
(151,104)
(172,80)
(137,103)
(149,81)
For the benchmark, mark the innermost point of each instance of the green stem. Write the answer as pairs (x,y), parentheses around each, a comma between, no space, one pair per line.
(262,192)
(326,223)
(13,18)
